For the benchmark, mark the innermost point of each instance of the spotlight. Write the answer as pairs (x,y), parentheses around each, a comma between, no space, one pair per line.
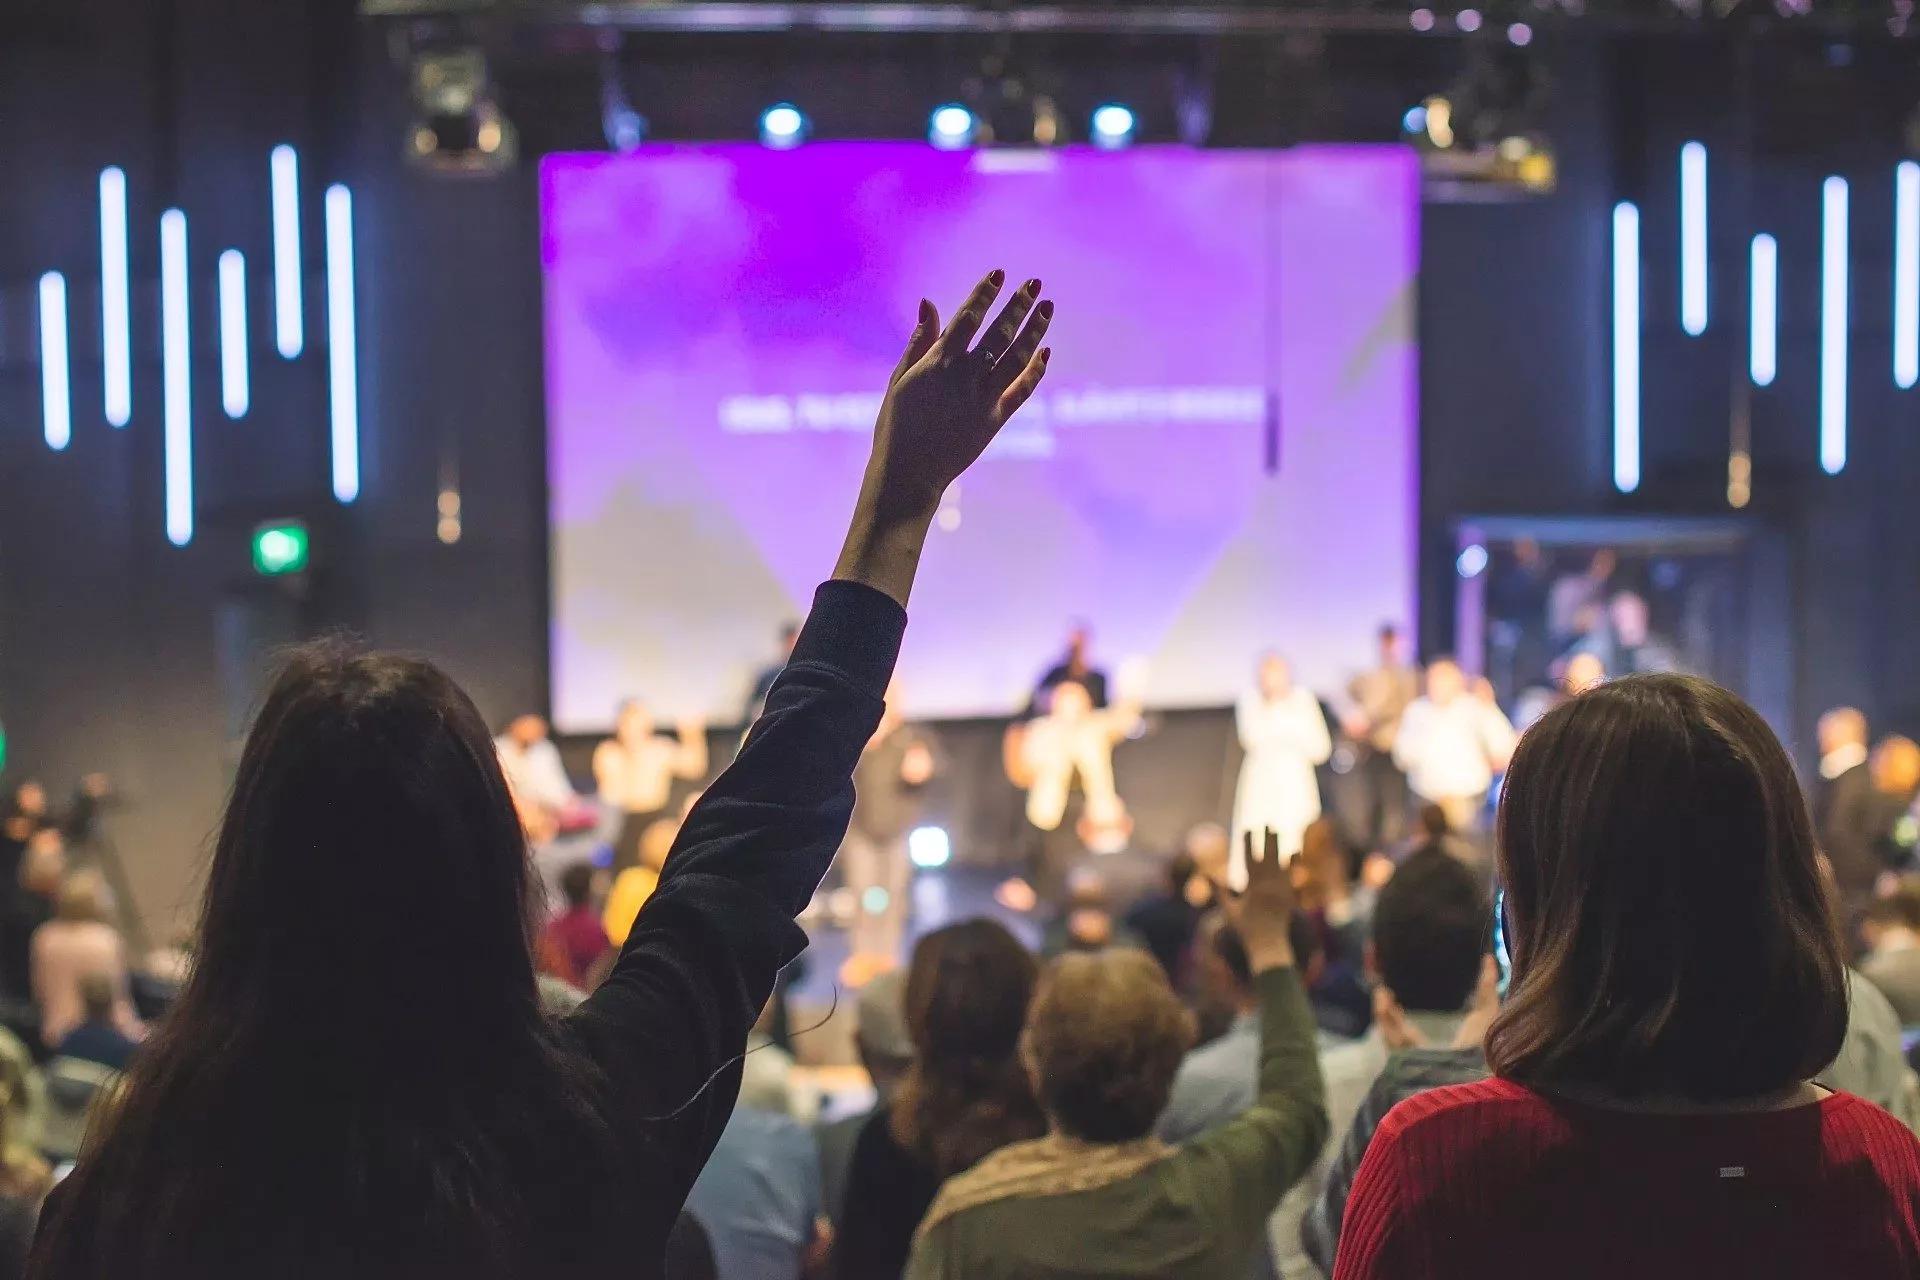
(1422,19)
(1113,126)
(624,127)
(1468,20)
(951,127)
(783,126)
(458,125)
(1472,561)
(1415,121)
(929,847)
(1520,34)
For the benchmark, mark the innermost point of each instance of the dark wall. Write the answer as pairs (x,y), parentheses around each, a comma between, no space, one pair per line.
(110,639)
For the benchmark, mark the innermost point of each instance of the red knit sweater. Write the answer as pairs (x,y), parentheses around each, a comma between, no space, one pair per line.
(1492,1179)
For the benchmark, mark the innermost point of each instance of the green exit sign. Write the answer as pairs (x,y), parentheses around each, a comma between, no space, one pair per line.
(280,547)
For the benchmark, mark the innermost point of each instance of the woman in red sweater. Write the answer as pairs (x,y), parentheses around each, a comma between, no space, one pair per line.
(1678,980)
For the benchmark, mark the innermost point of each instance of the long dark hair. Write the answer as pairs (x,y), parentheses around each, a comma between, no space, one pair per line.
(357,1073)
(966,1094)
(1671,929)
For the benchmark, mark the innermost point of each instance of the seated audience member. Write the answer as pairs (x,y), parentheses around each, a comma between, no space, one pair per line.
(965,1096)
(43,868)
(78,941)
(1165,920)
(1677,983)
(98,1037)
(759,1197)
(454,1129)
(1085,922)
(1843,808)
(1892,930)
(1895,767)
(633,886)
(27,814)
(886,1051)
(25,1178)
(574,943)
(1100,1195)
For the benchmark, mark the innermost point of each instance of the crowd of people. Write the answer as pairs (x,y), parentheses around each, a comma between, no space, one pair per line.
(1622,1033)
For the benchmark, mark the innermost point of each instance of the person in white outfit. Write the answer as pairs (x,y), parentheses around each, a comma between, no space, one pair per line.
(1284,733)
(1452,742)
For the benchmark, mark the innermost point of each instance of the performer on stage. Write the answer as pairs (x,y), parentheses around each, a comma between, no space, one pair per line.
(889,785)
(542,792)
(1284,733)
(1065,758)
(1380,696)
(1451,743)
(1076,665)
(635,768)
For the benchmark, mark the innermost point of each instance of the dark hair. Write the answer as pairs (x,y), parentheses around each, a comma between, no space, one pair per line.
(966,1094)
(1434,822)
(1105,1038)
(96,996)
(1181,869)
(1671,928)
(576,883)
(1232,949)
(363,941)
(1901,907)
(1432,924)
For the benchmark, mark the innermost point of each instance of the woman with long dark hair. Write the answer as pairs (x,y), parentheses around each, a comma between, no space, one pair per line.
(1677,982)
(966,1095)
(357,1079)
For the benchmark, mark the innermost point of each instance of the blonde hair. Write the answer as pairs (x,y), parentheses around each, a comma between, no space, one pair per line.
(82,897)
(1896,766)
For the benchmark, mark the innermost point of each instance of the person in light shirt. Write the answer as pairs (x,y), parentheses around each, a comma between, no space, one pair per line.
(634,771)
(1284,733)
(1452,741)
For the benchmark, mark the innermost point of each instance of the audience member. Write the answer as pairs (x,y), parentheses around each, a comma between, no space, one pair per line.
(890,786)
(965,1096)
(1165,920)
(1676,983)
(77,942)
(25,1178)
(634,885)
(881,1039)
(759,1197)
(689,1252)
(454,1129)
(1895,769)
(1892,963)
(100,1036)
(43,868)
(1452,741)
(1843,807)
(1872,1062)
(574,943)
(1085,921)
(1283,733)
(635,769)
(1100,1195)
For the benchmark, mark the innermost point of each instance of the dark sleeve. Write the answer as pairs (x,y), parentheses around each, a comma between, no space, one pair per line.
(1320,1229)
(701,959)
(887,1194)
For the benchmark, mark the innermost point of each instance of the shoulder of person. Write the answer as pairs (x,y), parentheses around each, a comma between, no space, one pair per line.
(1489,1103)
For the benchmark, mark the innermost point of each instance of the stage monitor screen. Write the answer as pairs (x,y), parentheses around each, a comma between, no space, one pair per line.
(1220,462)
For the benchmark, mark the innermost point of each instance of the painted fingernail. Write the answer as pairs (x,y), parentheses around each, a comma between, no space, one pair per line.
(1031,286)
(996,277)
(1046,354)
(1046,309)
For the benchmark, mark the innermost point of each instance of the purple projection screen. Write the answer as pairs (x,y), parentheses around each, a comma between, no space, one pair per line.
(1221,461)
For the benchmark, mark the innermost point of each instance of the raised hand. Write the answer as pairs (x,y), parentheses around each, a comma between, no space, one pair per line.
(950,393)
(945,400)
(1263,912)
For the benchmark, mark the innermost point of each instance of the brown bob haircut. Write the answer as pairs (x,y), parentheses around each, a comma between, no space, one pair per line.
(1103,1040)
(1671,929)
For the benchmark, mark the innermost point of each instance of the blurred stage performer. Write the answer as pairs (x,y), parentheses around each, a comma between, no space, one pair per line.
(635,768)
(1064,759)
(1380,696)
(542,792)
(889,787)
(1284,733)
(1452,741)
(1076,665)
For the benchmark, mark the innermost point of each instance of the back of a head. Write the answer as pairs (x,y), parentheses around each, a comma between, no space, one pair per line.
(364,925)
(576,884)
(1900,909)
(82,898)
(1104,1039)
(966,1094)
(1671,931)
(96,996)
(880,1028)
(1432,924)
(1842,727)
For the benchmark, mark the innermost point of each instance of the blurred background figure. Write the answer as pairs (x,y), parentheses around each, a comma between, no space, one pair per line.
(573,946)
(635,769)
(1380,696)
(1891,929)
(1284,734)
(1066,755)
(885,1049)
(763,678)
(1895,769)
(538,780)
(1574,602)
(889,787)
(1075,665)
(75,944)
(1844,807)
(1452,742)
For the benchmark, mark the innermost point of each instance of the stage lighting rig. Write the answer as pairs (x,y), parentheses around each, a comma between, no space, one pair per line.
(625,127)
(458,127)
(1482,136)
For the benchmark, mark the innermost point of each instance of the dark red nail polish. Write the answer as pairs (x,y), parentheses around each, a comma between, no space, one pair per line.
(1031,286)
(1046,354)
(1046,308)
(996,277)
